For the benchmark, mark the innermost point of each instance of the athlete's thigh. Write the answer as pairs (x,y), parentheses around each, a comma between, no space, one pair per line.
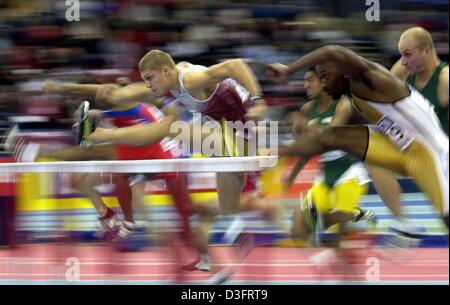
(352,139)
(77,153)
(94,179)
(203,134)
(101,152)
(83,180)
(73,179)
(382,152)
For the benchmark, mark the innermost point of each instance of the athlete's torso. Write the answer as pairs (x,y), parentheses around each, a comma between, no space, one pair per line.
(430,92)
(403,121)
(226,101)
(140,114)
(336,162)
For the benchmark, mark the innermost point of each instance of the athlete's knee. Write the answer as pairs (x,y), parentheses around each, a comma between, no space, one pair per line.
(84,186)
(353,139)
(85,183)
(72,181)
(79,182)
(227,209)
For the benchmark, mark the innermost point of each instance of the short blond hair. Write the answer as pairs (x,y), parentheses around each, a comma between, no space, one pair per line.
(156,60)
(422,38)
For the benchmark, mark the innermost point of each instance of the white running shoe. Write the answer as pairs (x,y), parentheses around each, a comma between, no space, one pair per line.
(107,226)
(25,151)
(11,138)
(325,257)
(202,263)
(222,276)
(125,231)
(233,232)
(30,152)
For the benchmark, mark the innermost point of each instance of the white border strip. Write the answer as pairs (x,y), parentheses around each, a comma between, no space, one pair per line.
(198,165)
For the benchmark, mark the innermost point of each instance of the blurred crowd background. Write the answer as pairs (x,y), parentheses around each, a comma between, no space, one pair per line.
(38,43)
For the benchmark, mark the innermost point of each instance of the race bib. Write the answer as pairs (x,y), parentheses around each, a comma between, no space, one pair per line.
(397,134)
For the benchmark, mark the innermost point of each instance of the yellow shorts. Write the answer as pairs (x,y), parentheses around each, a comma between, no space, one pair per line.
(344,197)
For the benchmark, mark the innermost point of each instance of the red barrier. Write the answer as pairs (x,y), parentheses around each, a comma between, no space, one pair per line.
(7,207)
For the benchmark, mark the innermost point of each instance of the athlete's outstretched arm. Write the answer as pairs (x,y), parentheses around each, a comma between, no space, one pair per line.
(142,134)
(343,112)
(236,69)
(101,92)
(132,93)
(299,126)
(71,88)
(347,61)
(341,117)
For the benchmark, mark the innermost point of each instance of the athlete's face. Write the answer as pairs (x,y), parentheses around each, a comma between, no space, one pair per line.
(412,58)
(313,85)
(335,82)
(159,81)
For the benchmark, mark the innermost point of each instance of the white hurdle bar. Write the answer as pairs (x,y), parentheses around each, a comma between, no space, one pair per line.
(196,165)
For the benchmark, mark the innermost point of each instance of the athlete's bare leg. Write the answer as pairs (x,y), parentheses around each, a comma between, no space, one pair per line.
(124,196)
(201,234)
(341,219)
(388,188)
(229,186)
(76,153)
(85,182)
(299,229)
(138,193)
(355,140)
(352,139)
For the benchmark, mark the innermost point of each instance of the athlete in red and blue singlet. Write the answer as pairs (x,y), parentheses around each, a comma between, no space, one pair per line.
(139,114)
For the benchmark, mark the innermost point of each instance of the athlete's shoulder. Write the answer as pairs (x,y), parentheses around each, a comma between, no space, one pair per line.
(342,111)
(306,107)
(444,72)
(184,65)
(443,87)
(443,78)
(190,74)
(187,66)
(343,103)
